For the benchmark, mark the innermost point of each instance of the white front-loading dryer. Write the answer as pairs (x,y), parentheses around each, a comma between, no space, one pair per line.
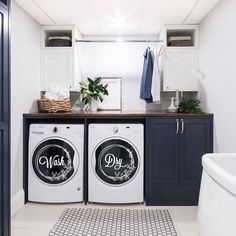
(116,163)
(55,163)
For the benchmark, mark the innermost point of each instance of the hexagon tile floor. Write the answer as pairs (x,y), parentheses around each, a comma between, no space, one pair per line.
(117,222)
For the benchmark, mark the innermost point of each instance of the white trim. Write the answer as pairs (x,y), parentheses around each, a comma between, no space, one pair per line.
(190,12)
(199,11)
(17,201)
(43,11)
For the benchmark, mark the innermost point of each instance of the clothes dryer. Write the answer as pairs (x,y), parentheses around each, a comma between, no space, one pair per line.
(115,165)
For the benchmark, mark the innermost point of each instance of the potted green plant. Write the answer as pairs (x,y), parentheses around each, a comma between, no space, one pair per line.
(93,91)
(190,105)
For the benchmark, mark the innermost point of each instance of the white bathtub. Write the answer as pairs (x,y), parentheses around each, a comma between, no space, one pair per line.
(217,201)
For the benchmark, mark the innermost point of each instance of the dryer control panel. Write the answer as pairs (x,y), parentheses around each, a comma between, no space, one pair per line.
(117,129)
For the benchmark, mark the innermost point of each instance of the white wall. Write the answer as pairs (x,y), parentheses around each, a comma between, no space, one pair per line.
(218,63)
(25,88)
(116,60)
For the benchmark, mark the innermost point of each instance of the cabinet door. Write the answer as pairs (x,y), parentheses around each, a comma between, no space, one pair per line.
(57,67)
(195,141)
(163,151)
(180,70)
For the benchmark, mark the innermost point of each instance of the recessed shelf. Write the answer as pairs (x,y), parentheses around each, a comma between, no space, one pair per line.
(180,37)
(58,38)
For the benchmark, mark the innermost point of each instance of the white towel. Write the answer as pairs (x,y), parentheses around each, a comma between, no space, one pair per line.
(156,79)
(57,93)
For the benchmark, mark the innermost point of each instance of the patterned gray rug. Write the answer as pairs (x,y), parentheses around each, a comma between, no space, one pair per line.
(113,222)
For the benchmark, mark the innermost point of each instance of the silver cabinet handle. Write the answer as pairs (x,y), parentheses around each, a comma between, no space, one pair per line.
(182,126)
(177,126)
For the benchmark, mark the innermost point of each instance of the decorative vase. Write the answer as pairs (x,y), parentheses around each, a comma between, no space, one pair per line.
(94,105)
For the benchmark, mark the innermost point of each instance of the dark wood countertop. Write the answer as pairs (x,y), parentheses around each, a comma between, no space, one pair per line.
(115,114)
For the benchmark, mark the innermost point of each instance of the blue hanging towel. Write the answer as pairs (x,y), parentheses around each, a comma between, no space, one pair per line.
(146,82)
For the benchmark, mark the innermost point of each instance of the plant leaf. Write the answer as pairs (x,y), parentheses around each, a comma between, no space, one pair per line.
(98,80)
(90,81)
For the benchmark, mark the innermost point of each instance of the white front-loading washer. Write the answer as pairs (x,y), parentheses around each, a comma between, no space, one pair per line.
(55,163)
(116,163)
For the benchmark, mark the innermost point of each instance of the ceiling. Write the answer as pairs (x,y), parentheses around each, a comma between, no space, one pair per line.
(117,17)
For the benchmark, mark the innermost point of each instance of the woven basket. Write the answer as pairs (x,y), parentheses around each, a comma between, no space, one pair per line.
(46,105)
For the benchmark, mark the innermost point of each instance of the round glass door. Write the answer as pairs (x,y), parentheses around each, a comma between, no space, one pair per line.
(117,161)
(53,161)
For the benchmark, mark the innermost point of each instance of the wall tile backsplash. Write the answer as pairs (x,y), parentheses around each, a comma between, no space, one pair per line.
(162,106)
(165,101)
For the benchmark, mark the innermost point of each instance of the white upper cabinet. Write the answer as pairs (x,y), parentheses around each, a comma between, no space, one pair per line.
(180,70)
(180,58)
(59,57)
(58,67)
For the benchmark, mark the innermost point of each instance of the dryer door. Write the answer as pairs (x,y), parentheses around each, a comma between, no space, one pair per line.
(55,161)
(116,161)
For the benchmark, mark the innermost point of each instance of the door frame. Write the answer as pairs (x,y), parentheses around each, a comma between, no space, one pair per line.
(5,163)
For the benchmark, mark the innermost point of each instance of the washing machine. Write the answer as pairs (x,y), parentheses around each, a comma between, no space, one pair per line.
(55,163)
(116,163)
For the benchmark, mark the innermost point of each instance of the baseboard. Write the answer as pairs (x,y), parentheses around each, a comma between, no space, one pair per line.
(17,201)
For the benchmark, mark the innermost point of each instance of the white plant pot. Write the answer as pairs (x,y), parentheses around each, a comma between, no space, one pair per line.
(94,105)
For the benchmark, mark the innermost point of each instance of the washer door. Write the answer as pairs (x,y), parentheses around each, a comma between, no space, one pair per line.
(116,161)
(55,161)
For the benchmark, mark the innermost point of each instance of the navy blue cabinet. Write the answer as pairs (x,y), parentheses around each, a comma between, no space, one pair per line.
(173,164)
